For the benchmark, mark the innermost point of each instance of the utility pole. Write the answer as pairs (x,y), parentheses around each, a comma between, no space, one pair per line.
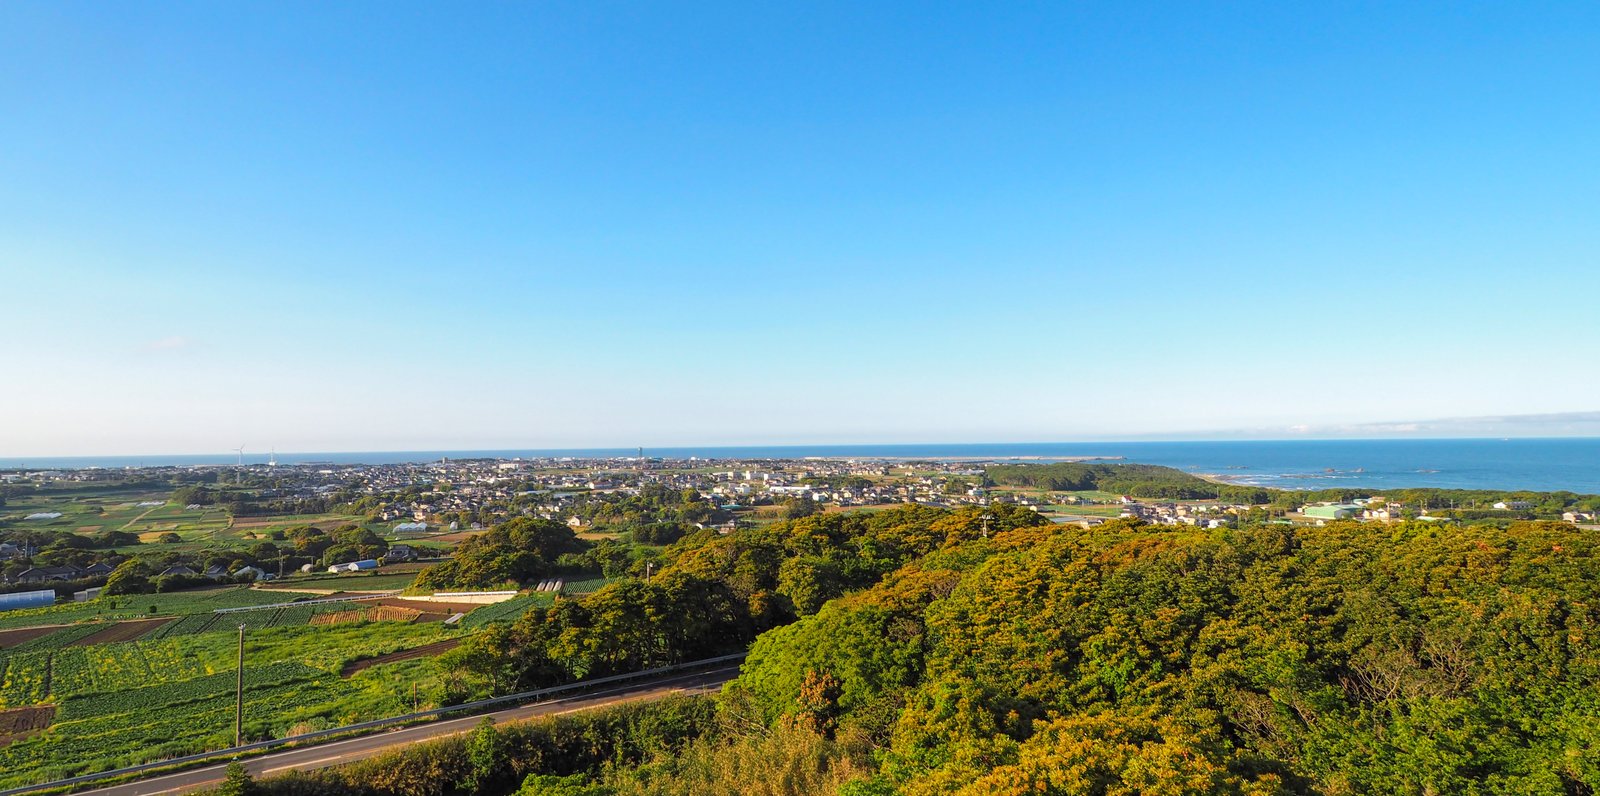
(238,696)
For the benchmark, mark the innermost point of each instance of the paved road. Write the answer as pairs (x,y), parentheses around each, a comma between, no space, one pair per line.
(307,758)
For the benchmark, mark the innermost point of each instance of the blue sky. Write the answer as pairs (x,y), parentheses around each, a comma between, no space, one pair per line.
(405,225)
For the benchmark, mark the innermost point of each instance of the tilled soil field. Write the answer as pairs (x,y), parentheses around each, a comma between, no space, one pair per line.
(121,631)
(19,723)
(424,651)
(11,638)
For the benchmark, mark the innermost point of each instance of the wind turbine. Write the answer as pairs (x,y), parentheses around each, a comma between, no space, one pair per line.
(236,475)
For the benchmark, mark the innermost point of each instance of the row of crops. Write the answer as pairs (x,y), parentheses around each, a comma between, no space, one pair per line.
(587,585)
(506,611)
(171,692)
(198,689)
(145,700)
(141,725)
(284,616)
(188,626)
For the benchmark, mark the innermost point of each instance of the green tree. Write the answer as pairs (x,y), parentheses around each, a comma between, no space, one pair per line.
(486,758)
(130,577)
(236,781)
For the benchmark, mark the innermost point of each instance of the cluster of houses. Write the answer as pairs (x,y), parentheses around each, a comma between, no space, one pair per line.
(69,572)
(63,573)
(1380,509)
(1200,515)
(10,550)
(480,487)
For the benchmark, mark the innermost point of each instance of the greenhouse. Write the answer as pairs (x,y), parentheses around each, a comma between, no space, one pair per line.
(27,599)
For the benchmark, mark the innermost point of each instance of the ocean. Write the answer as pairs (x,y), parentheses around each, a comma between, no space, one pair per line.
(1535,464)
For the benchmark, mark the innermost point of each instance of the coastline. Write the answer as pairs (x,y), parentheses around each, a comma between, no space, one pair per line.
(1532,464)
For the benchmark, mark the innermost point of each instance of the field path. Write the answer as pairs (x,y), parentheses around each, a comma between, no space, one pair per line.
(142,516)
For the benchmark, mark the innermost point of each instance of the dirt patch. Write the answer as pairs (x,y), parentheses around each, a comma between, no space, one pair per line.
(19,723)
(11,638)
(121,631)
(458,536)
(424,651)
(428,606)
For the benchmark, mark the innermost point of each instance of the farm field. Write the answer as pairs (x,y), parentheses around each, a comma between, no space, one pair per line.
(1085,511)
(507,611)
(147,513)
(382,582)
(312,613)
(587,585)
(140,606)
(425,651)
(84,511)
(144,512)
(268,523)
(120,704)
(118,632)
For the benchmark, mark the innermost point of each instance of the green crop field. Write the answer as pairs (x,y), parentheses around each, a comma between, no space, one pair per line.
(285,616)
(507,611)
(381,582)
(79,513)
(139,606)
(587,585)
(92,512)
(120,704)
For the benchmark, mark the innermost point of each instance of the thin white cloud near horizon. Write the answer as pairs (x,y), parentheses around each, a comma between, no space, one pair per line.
(169,343)
(1553,424)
